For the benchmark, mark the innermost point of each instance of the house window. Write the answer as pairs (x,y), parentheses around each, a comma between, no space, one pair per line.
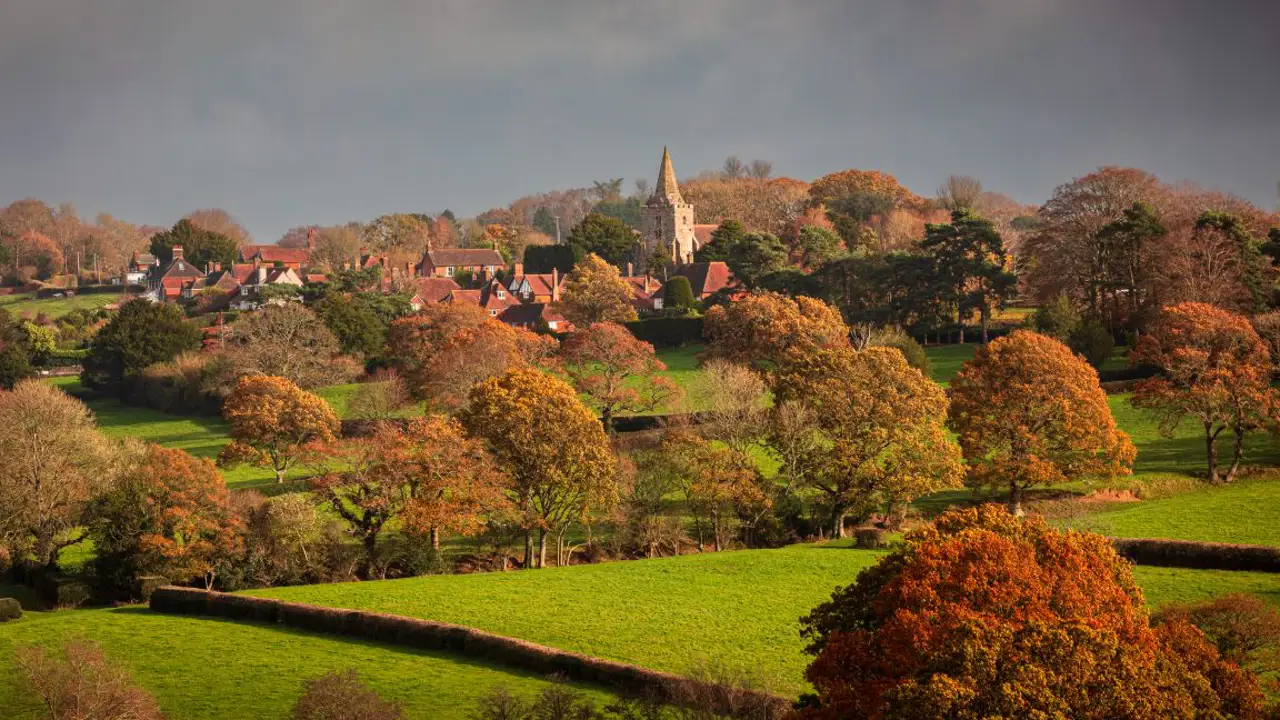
(448,271)
(502,294)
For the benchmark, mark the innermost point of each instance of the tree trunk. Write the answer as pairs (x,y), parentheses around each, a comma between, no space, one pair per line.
(697,525)
(1237,453)
(837,523)
(528,549)
(279,476)
(370,550)
(435,538)
(986,316)
(1015,499)
(1211,447)
(542,549)
(715,531)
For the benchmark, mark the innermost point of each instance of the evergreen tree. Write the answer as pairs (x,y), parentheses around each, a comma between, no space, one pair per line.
(141,334)
(608,237)
(199,246)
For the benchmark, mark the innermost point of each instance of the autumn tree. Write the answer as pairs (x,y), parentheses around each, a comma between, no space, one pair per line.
(272,423)
(764,328)
(335,245)
(453,483)
(553,446)
(287,341)
(199,246)
(595,292)
(959,192)
(79,681)
(35,256)
(617,372)
(53,463)
(397,231)
(720,485)
(1216,371)
(604,236)
(981,614)
(883,439)
(760,205)
(1029,412)
(170,515)
(1216,260)
(448,347)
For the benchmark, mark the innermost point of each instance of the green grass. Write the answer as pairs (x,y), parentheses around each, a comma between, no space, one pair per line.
(738,609)
(945,360)
(682,369)
(27,305)
(202,436)
(208,669)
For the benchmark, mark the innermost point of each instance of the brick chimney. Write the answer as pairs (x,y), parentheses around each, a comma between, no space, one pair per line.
(311,238)
(631,270)
(177,252)
(519,269)
(555,284)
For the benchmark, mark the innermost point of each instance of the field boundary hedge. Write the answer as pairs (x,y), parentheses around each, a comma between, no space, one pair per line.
(1198,555)
(470,642)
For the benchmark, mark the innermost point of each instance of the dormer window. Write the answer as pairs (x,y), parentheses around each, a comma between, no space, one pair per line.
(502,294)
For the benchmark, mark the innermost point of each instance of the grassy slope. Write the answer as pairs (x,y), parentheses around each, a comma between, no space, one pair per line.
(739,609)
(206,669)
(28,305)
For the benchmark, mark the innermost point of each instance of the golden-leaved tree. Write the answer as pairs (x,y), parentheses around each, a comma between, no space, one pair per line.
(273,422)
(595,292)
(881,437)
(764,329)
(554,447)
(1029,412)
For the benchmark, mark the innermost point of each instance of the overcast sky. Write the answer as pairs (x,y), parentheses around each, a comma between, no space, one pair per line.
(292,112)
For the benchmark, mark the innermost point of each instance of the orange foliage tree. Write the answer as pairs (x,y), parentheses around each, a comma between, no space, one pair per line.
(1029,412)
(170,516)
(272,423)
(1217,371)
(983,615)
(770,206)
(720,484)
(764,328)
(454,484)
(553,446)
(858,182)
(880,427)
(448,347)
(616,371)
(35,255)
(595,292)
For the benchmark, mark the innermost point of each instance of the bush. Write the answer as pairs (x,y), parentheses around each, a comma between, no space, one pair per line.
(668,332)
(1245,629)
(10,609)
(1093,341)
(1057,319)
(869,538)
(677,293)
(140,335)
(177,386)
(341,696)
(895,337)
(83,684)
(1198,555)
(15,365)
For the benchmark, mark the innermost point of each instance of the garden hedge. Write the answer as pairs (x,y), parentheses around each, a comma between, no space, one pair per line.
(10,609)
(444,637)
(1198,555)
(668,332)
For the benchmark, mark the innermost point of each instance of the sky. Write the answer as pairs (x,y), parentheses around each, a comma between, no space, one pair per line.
(299,112)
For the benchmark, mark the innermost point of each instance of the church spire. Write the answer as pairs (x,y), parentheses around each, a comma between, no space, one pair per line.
(667,188)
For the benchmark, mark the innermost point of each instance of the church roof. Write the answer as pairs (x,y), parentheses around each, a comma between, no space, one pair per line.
(667,190)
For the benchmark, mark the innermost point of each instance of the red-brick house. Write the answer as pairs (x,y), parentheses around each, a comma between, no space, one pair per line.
(167,283)
(293,258)
(646,291)
(493,298)
(429,291)
(707,278)
(534,315)
(538,287)
(481,262)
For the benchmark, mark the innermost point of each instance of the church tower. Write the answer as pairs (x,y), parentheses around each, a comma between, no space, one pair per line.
(666,219)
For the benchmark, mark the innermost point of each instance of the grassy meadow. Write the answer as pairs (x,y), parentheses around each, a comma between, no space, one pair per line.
(26,305)
(738,609)
(211,669)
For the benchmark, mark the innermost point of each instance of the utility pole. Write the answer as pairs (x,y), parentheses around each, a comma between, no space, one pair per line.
(557,217)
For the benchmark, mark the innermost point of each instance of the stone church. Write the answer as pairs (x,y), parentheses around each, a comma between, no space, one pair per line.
(667,220)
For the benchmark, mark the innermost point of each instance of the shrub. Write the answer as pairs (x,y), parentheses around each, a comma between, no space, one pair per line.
(677,293)
(177,386)
(1057,319)
(341,696)
(10,609)
(1245,629)
(668,332)
(15,365)
(140,335)
(869,538)
(82,684)
(896,337)
(1093,341)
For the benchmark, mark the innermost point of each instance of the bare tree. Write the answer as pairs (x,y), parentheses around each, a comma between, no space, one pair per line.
(959,192)
(222,222)
(643,188)
(733,167)
(760,169)
(735,399)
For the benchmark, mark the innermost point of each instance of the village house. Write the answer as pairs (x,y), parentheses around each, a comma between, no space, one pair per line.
(537,287)
(480,262)
(140,265)
(275,256)
(493,298)
(167,283)
(534,315)
(429,291)
(707,278)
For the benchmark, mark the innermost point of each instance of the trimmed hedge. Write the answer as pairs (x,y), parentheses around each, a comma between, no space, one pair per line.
(10,609)
(49,292)
(668,332)
(1198,555)
(437,636)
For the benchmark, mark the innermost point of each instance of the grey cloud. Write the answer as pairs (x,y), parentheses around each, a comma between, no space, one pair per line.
(299,111)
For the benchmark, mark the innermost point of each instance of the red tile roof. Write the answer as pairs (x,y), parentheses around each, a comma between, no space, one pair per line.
(464,257)
(702,232)
(707,277)
(434,290)
(271,254)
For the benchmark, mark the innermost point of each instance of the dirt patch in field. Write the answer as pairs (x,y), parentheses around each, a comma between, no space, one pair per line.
(1099,497)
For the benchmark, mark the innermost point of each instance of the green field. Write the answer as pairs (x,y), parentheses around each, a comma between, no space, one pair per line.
(739,609)
(27,305)
(209,669)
